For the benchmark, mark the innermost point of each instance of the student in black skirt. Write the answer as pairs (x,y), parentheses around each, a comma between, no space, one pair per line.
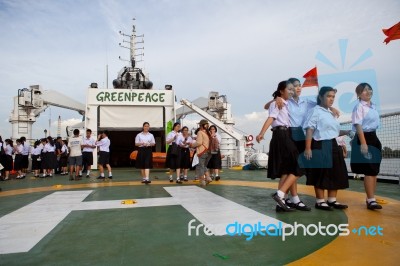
(184,141)
(19,159)
(144,159)
(49,162)
(8,160)
(36,160)
(25,156)
(215,163)
(327,168)
(282,160)
(64,157)
(366,149)
(173,159)
(2,157)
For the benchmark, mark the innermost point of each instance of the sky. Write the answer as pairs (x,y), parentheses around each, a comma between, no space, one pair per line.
(242,49)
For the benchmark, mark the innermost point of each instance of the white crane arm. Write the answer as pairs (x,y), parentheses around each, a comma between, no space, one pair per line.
(55,98)
(226,128)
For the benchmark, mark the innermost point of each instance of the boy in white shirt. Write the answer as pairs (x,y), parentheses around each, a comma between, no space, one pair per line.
(75,156)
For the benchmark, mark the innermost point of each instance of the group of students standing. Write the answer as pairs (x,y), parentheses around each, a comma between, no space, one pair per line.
(48,155)
(43,157)
(304,142)
(178,158)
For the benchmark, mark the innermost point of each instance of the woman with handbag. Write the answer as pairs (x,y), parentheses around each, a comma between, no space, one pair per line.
(202,146)
(173,160)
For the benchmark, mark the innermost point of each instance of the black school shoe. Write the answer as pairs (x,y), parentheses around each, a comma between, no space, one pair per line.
(297,206)
(373,205)
(323,206)
(337,205)
(281,203)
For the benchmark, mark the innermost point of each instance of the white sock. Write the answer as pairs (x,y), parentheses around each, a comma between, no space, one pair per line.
(80,172)
(295,199)
(320,200)
(281,194)
(331,199)
(88,172)
(370,200)
(102,174)
(109,174)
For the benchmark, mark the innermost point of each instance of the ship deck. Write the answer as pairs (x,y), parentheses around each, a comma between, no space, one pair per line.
(54,221)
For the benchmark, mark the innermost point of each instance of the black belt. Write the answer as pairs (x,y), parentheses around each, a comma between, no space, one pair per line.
(279,128)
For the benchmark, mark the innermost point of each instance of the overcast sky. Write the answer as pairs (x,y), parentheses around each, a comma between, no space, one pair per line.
(242,49)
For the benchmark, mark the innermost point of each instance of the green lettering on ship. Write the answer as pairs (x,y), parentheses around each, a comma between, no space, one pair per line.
(142,97)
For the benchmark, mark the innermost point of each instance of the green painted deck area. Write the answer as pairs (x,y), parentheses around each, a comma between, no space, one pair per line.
(159,235)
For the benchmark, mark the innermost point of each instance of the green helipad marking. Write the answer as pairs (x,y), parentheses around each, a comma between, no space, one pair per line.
(124,236)
(158,235)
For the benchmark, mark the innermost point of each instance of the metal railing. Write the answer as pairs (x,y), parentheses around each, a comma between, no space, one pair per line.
(389,135)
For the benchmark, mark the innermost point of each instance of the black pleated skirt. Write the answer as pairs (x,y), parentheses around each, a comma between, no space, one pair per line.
(282,156)
(215,161)
(368,165)
(185,158)
(25,161)
(36,165)
(327,168)
(173,161)
(298,137)
(7,162)
(49,160)
(144,158)
(18,162)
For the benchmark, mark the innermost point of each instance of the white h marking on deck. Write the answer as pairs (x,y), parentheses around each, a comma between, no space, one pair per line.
(22,229)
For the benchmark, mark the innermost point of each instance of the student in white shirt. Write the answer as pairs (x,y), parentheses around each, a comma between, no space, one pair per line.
(36,151)
(327,168)
(283,154)
(173,161)
(366,148)
(89,144)
(103,142)
(144,159)
(184,141)
(75,155)
(8,160)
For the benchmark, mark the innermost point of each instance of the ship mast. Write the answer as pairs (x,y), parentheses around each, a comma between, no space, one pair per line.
(132,77)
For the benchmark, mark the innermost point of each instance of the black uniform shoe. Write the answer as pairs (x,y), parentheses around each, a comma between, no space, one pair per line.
(100,177)
(298,206)
(281,203)
(373,205)
(323,206)
(337,205)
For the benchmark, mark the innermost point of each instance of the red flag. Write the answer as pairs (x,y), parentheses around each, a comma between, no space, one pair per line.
(311,78)
(393,33)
